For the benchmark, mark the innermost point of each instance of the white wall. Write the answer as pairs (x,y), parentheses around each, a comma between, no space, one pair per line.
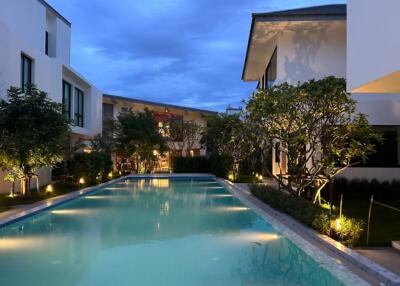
(23,24)
(373,40)
(315,50)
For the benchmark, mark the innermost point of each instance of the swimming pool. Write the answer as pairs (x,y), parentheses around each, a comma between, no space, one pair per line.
(153,231)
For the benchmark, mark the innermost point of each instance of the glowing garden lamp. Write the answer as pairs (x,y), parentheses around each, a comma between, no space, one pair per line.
(49,188)
(110,175)
(81,181)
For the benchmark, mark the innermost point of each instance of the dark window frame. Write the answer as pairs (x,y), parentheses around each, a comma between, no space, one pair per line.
(270,75)
(66,111)
(46,43)
(79,107)
(29,61)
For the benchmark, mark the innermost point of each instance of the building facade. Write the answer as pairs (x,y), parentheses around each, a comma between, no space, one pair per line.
(163,113)
(35,49)
(334,40)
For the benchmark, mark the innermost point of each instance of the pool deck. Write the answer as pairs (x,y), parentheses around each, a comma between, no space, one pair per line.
(372,266)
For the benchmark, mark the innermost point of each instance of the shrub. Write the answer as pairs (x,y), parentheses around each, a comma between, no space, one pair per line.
(310,214)
(94,167)
(215,164)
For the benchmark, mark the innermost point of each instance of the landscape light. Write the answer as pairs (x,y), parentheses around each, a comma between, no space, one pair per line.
(231,177)
(81,181)
(49,189)
(110,175)
(338,223)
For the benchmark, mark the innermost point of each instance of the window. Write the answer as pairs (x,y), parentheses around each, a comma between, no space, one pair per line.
(79,101)
(46,44)
(277,152)
(66,99)
(26,71)
(108,111)
(270,71)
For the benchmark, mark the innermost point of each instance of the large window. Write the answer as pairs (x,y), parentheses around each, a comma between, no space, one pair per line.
(66,99)
(79,105)
(108,111)
(26,71)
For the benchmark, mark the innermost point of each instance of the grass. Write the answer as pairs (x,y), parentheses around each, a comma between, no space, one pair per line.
(385,223)
(7,203)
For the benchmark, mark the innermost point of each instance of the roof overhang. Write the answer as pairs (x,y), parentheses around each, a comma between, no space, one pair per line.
(265,28)
(389,83)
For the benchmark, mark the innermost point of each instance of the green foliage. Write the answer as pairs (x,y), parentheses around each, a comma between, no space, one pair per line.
(183,134)
(32,130)
(309,214)
(138,136)
(93,167)
(317,127)
(214,164)
(348,231)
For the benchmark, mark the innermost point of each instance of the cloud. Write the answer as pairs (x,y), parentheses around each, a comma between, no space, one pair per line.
(188,52)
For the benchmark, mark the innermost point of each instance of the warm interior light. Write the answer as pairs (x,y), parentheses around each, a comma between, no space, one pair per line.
(87,150)
(260,177)
(49,189)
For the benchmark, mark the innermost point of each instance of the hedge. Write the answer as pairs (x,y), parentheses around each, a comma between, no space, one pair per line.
(310,214)
(214,164)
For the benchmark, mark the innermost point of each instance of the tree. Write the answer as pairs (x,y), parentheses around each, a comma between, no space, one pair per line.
(137,136)
(228,135)
(317,129)
(183,135)
(33,130)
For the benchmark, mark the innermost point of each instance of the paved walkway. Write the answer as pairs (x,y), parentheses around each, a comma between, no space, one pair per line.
(388,257)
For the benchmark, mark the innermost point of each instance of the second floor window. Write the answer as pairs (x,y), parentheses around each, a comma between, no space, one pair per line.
(66,99)
(46,43)
(270,72)
(79,105)
(26,71)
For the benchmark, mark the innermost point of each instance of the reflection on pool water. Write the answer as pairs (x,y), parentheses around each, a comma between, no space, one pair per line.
(153,232)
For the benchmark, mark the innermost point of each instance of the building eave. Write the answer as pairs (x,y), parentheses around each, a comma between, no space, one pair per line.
(317,13)
(116,97)
(48,6)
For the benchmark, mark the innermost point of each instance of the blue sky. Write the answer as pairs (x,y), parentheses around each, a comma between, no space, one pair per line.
(184,52)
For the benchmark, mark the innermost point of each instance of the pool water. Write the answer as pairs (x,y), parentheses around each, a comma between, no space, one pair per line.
(153,232)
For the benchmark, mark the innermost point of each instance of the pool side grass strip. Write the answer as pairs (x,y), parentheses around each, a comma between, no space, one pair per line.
(10,217)
(382,274)
(30,210)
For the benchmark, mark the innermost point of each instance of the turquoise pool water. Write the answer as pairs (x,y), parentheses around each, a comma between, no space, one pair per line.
(153,232)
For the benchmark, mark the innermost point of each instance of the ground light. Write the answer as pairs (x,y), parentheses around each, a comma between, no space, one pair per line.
(81,181)
(49,188)
(110,175)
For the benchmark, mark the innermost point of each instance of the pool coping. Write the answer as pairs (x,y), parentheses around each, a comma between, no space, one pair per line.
(11,216)
(291,228)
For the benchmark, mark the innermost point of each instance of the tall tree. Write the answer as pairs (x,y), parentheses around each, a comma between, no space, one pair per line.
(33,131)
(317,128)
(183,135)
(137,136)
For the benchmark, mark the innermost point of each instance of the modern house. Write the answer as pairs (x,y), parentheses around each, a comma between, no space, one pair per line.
(35,49)
(336,40)
(163,113)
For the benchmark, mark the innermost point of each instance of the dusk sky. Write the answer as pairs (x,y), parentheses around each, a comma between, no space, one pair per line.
(184,52)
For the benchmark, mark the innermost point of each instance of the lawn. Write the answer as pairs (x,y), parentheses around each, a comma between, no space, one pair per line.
(385,223)
(7,203)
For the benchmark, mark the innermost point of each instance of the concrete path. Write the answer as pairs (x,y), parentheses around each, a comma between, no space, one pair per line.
(388,257)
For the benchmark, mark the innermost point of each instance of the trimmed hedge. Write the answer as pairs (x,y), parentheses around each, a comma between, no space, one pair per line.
(214,164)
(310,214)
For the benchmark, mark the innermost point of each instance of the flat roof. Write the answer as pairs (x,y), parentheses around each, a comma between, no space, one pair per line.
(48,6)
(158,103)
(315,13)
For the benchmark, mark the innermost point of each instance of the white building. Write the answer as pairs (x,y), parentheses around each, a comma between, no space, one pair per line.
(35,48)
(331,40)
